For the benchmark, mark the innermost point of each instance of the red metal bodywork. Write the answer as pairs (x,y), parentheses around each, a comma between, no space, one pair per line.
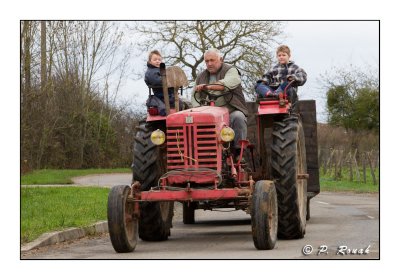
(271,107)
(194,155)
(195,194)
(151,118)
(193,143)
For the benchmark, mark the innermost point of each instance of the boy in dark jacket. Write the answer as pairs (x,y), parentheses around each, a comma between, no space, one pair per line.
(152,78)
(278,77)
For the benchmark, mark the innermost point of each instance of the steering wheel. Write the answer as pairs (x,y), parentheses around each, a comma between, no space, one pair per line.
(205,97)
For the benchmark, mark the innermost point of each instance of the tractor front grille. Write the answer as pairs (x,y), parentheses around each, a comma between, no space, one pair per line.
(192,146)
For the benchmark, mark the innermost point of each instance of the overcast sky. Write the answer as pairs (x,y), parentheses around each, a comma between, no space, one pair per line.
(318,47)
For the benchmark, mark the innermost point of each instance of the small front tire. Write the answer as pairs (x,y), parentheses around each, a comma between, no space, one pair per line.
(122,223)
(264,215)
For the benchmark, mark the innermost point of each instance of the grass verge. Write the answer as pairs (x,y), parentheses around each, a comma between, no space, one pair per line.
(55,176)
(328,183)
(50,209)
(345,186)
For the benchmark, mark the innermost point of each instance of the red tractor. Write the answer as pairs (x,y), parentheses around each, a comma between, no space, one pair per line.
(186,157)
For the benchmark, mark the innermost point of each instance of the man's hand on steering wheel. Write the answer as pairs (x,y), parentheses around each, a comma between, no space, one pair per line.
(201,87)
(205,88)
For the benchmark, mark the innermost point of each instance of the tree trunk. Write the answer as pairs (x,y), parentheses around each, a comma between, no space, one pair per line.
(27,56)
(43,62)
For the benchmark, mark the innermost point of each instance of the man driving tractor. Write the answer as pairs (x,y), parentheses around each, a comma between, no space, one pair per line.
(219,78)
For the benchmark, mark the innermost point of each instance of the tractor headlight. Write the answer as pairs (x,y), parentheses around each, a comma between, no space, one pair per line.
(227,134)
(157,137)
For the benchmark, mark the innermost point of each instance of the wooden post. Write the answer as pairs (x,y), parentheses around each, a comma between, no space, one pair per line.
(340,162)
(163,73)
(371,167)
(364,168)
(335,167)
(350,161)
(176,99)
(356,166)
(329,163)
(324,160)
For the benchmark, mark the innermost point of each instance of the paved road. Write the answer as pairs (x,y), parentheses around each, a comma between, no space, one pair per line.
(108,180)
(337,219)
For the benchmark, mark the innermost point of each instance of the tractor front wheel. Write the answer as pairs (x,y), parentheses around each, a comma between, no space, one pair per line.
(264,215)
(122,222)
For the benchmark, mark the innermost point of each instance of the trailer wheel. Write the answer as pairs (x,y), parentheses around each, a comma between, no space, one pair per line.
(122,224)
(288,160)
(264,215)
(188,212)
(149,163)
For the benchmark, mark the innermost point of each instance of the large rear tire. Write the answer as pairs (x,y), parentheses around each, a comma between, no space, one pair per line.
(264,215)
(122,223)
(149,163)
(288,161)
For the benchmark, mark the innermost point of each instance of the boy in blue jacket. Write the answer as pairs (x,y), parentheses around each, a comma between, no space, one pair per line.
(152,78)
(278,77)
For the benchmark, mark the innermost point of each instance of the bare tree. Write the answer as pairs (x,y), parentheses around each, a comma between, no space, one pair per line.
(245,44)
(28,34)
(71,73)
(91,52)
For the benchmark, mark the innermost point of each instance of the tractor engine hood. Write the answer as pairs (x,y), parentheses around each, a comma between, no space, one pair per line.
(205,115)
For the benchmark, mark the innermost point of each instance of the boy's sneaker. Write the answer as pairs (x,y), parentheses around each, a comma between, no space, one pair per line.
(268,94)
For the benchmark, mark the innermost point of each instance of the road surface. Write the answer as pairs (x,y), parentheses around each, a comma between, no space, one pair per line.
(342,226)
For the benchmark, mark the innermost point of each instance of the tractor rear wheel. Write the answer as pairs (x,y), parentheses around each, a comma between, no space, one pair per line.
(288,161)
(149,163)
(122,223)
(264,215)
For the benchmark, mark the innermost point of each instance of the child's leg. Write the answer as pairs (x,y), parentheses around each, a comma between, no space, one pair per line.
(281,88)
(263,90)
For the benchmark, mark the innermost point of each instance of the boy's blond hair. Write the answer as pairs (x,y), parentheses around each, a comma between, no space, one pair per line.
(154,52)
(284,49)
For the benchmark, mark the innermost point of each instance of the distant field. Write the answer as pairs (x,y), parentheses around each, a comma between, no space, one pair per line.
(54,176)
